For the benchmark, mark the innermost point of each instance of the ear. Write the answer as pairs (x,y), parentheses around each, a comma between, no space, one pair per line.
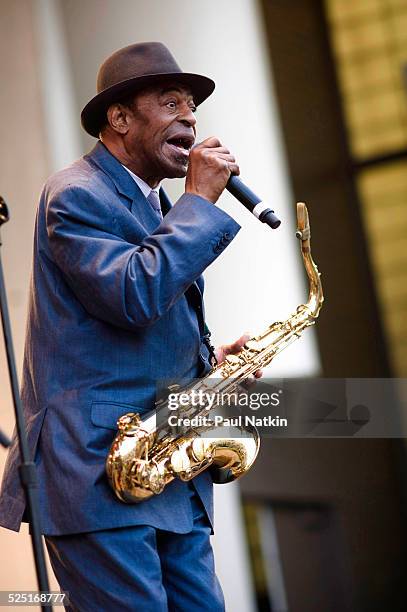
(119,117)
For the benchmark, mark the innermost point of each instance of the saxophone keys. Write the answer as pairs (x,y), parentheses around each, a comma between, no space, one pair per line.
(253,345)
(201,450)
(149,476)
(129,423)
(180,462)
(232,359)
(157,479)
(230,365)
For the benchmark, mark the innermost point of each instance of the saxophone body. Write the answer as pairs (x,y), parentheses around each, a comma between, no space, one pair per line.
(146,456)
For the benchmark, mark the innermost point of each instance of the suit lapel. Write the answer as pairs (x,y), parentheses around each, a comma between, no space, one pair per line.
(144,212)
(165,202)
(124,183)
(194,291)
(142,209)
(126,187)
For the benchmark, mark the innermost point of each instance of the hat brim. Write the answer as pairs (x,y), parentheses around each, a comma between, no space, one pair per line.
(93,116)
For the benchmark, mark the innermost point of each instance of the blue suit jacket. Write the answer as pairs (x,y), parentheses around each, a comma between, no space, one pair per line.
(115,305)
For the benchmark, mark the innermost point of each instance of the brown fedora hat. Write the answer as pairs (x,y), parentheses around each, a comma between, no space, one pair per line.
(132,69)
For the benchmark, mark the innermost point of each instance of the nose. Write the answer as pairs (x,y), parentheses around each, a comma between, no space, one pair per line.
(187,116)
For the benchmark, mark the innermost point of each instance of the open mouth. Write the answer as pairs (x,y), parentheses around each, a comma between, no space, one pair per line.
(181,144)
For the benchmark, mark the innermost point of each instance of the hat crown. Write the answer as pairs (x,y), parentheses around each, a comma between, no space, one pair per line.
(128,71)
(135,61)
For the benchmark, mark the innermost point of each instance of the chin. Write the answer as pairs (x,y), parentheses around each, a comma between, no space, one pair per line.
(181,173)
(176,170)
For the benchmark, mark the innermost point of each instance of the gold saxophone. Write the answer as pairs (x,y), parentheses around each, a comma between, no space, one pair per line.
(145,456)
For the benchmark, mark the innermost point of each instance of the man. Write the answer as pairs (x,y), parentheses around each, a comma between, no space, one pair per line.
(115,306)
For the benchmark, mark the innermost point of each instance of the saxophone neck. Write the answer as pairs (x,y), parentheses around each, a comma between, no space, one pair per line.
(303,233)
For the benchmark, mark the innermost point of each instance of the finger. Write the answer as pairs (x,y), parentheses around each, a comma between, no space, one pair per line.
(219,354)
(212,141)
(258,373)
(214,150)
(237,345)
(229,157)
(230,167)
(234,169)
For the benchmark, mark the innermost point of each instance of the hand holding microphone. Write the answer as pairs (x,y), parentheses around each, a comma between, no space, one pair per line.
(209,169)
(212,168)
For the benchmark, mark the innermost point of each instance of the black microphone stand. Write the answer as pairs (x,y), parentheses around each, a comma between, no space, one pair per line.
(28,474)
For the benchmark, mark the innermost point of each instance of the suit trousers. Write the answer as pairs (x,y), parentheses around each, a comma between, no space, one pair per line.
(139,568)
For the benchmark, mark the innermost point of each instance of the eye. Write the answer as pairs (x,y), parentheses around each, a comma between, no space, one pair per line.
(193,108)
(172,104)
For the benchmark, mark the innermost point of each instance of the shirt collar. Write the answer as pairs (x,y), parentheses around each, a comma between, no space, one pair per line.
(144,187)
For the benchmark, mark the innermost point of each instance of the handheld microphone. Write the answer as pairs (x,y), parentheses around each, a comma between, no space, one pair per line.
(252,202)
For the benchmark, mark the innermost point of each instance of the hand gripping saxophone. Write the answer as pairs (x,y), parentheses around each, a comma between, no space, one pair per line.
(145,455)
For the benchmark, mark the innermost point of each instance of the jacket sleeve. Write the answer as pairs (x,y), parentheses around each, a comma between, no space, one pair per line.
(125,284)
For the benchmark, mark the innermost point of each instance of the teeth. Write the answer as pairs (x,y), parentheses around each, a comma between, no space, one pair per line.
(179,142)
(180,145)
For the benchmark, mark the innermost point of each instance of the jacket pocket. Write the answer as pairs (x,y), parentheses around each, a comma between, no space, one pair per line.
(106,414)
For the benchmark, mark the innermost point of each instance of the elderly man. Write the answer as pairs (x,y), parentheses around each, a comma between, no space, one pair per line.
(116,304)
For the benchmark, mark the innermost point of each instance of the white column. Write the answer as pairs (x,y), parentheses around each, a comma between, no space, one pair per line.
(60,119)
